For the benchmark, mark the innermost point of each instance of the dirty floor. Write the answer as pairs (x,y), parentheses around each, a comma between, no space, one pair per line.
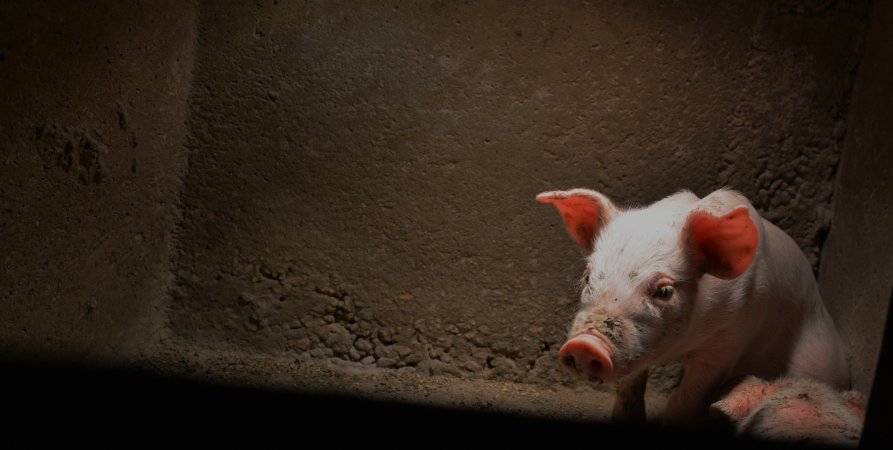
(578,403)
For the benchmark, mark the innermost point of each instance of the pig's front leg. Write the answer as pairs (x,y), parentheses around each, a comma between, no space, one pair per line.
(690,401)
(629,402)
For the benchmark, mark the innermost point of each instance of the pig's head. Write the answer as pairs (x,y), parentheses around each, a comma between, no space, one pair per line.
(644,268)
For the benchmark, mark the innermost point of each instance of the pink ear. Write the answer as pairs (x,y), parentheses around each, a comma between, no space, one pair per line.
(739,403)
(726,245)
(584,212)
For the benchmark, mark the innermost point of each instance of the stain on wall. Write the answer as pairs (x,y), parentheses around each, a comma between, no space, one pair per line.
(92,128)
(362,176)
(78,152)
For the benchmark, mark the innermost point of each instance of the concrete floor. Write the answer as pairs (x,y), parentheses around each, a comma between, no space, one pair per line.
(586,403)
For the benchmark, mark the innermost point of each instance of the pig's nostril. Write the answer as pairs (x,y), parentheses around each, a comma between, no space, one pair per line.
(569,361)
(587,357)
(595,366)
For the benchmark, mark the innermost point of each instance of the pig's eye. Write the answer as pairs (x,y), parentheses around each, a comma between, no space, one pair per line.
(664,292)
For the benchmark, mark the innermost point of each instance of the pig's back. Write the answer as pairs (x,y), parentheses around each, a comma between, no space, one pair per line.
(791,294)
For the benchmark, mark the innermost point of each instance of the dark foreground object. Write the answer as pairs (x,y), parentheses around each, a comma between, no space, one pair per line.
(879,417)
(71,403)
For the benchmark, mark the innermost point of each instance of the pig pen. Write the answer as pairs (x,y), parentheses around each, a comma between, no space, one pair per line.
(339,197)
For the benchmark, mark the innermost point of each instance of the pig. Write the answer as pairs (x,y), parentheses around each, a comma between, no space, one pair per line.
(707,282)
(793,410)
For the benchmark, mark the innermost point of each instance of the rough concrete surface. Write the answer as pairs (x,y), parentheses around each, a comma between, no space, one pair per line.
(362,176)
(583,403)
(341,194)
(91,153)
(856,263)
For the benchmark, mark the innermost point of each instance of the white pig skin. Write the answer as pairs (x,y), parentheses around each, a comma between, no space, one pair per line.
(768,320)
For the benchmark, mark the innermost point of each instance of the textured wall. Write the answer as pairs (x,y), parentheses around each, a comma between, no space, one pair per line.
(93,99)
(362,175)
(856,263)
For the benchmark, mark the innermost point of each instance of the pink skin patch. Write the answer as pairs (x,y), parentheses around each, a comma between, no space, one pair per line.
(580,214)
(855,402)
(726,244)
(802,412)
(745,398)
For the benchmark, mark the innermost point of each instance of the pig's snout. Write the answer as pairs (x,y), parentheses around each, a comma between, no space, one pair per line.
(587,357)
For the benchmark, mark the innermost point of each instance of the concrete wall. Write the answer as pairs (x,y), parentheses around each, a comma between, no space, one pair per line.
(357,179)
(93,99)
(362,175)
(857,268)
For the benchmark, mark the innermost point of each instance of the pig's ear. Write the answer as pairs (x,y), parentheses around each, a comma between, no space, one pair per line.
(723,246)
(585,212)
(739,403)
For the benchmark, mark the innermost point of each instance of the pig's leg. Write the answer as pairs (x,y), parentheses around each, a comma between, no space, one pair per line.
(689,403)
(629,403)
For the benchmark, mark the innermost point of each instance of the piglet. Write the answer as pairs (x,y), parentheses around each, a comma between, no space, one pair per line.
(794,410)
(705,281)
